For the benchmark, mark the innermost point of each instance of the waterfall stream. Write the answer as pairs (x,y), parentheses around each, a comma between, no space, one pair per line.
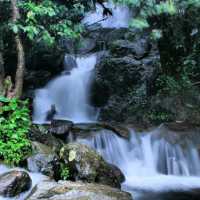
(148,163)
(68,93)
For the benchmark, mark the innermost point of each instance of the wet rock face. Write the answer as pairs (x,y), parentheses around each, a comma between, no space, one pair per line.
(139,48)
(41,134)
(13,183)
(60,127)
(43,160)
(87,130)
(43,163)
(41,67)
(86,165)
(124,77)
(77,191)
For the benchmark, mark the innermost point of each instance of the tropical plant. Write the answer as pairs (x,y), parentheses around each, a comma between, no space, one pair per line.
(14,126)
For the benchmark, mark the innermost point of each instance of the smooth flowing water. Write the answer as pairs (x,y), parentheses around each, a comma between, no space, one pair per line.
(69,93)
(150,164)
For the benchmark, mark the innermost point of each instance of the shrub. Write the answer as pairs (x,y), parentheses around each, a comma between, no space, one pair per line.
(64,172)
(14,126)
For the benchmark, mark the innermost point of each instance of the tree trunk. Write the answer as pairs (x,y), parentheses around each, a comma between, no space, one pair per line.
(18,87)
(2,74)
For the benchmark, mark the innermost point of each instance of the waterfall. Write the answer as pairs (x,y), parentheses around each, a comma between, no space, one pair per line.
(68,93)
(148,162)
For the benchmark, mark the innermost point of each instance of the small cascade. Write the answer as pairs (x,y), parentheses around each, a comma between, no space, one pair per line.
(146,155)
(149,163)
(68,93)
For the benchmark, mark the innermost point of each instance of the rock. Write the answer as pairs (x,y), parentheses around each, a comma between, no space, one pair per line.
(116,77)
(44,164)
(124,81)
(60,127)
(43,160)
(41,67)
(122,72)
(13,183)
(41,134)
(86,46)
(85,130)
(38,147)
(65,190)
(139,48)
(86,127)
(99,39)
(85,164)
(120,130)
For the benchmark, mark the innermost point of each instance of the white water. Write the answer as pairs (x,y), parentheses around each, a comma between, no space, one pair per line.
(69,94)
(121,16)
(150,164)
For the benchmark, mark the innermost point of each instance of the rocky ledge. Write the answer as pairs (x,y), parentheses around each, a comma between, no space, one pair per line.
(65,190)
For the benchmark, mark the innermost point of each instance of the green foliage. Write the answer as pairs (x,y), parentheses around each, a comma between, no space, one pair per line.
(14,126)
(44,21)
(159,116)
(148,8)
(47,21)
(64,172)
(175,24)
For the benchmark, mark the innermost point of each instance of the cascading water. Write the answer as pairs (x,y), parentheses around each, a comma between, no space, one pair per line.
(149,163)
(69,94)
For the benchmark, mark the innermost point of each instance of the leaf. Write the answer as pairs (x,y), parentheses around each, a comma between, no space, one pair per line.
(15,28)
(4,99)
(72,155)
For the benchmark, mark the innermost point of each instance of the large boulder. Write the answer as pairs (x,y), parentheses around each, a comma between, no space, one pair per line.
(14,182)
(76,191)
(124,78)
(85,164)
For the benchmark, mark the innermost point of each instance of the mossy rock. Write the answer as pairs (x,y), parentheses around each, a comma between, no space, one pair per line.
(87,165)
